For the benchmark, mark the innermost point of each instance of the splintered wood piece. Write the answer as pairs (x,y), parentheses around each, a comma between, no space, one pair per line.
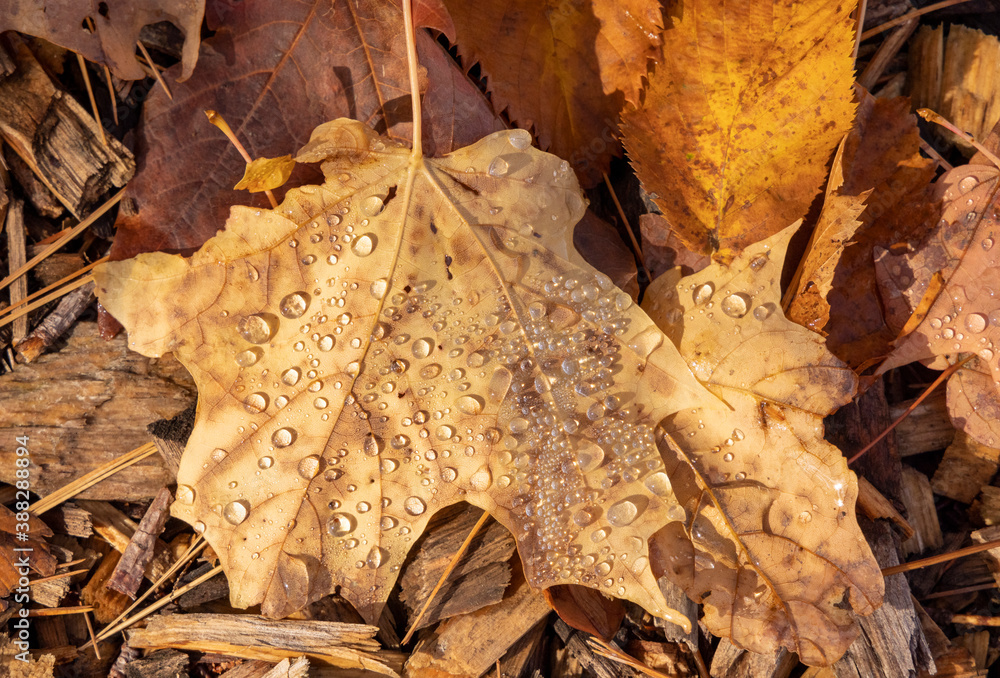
(987,505)
(141,548)
(253,637)
(472,643)
(524,657)
(36,192)
(16,258)
(85,405)
(735,662)
(57,138)
(107,604)
(919,501)
(966,466)
(126,656)
(479,578)
(985,536)
(928,427)
(873,504)
(160,664)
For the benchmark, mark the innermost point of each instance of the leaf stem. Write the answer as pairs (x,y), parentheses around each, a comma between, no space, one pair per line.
(411,62)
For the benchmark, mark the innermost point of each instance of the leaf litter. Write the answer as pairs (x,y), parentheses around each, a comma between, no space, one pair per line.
(416,332)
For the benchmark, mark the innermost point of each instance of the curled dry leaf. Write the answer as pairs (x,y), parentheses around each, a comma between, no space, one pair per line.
(399,339)
(736,148)
(773,549)
(116,23)
(965,315)
(563,67)
(882,198)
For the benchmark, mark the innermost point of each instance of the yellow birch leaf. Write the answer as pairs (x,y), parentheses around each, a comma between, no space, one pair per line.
(264,174)
(741,117)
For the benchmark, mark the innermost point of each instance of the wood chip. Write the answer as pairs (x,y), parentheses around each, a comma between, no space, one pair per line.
(57,138)
(987,505)
(927,428)
(118,529)
(993,555)
(730,661)
(922,513)
(161,664)
(253,637)
(69,308)
(107,604)
(17,257)
(479,579)
(966,466)
(470,644)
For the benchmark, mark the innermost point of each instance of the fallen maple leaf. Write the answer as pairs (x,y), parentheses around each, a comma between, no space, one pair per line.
(411,334)
(562,67)
(735,148)
(773,550)
(116,24)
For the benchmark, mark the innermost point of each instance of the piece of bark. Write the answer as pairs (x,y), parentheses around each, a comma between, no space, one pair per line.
(479,579)
(349,646)
(525,656)
(50,592)
(252,668)
(730,661)
(107,604)
(57,138)
(472,643)
(927,428)
(670,659)
(160,664)
(992,556)
(126,655)
(926,54)
(978,645)
(118,530)
(56,266)
(874,505)
(678,600)
(171,435)
(891,643)
(970,98)
(922,513)
(16,258)
(987,505)
(139,553)
(85,405)
(38,194)
(594,664)
(69,308)
(886,52)
(966,466)
(216,588)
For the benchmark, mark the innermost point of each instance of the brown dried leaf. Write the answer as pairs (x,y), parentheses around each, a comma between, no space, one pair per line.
(881,160)
(400,339)
(965,315)
(117,24)
(564,67)
(773,549)
(275,71)
(735,143)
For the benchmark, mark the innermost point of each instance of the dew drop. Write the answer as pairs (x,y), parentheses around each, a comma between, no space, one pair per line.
(422,348)
(248,357)
(255,328)
(659,484)
(294,305)
(340,524)
(975,322)
(430,371)
(283,437)
(414,506)
(469,404)
(372,206)
(388,522)
(589,456)
(379,287)
(320,403)
(445,432)
(236,511)
(291,376)
(370,445)
(703,293)
(498,168)
(736,305)
(309,467)
(499,383)
(325,343)
(218,454)
(364,245)
(265,462)
(448,474)
(185,494)
(363,507)
(481,480)
(255,403)
(646,341)
(376,557)
(622,513)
